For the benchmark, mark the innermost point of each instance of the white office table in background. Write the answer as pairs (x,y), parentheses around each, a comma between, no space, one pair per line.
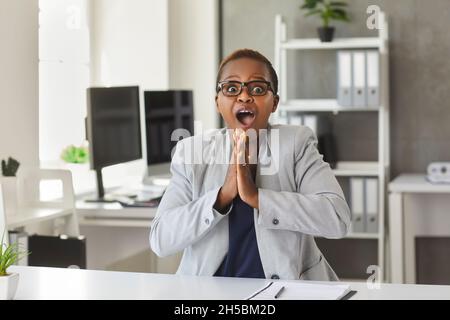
(408,193)
(113,215)
(38,283)
(109,225)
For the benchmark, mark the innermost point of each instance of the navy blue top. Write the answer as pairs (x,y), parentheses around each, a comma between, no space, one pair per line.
(242,259)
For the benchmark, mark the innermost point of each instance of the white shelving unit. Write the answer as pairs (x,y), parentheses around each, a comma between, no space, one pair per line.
(379,168)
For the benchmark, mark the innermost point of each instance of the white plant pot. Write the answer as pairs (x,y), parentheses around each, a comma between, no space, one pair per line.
(8,286)
(9,190)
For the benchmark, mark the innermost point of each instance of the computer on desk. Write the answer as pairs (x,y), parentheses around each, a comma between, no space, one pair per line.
(165,112)
(113,130)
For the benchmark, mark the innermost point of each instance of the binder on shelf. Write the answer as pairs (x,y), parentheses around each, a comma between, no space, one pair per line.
(357,204)
(373,78)
(371,196)
(281,118)
(344,78)
(311,121)
(359,96)
(295,118)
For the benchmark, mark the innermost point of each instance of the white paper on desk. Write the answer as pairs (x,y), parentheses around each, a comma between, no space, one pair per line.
(302,291)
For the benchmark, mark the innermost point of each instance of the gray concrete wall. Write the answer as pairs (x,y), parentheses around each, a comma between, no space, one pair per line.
(419,71)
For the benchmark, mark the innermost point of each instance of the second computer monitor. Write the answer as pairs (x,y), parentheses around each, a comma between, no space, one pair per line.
(165,111)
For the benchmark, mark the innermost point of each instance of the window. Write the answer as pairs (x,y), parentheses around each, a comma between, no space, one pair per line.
(64,75)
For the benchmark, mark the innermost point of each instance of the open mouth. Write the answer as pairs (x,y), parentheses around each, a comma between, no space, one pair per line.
(245,117)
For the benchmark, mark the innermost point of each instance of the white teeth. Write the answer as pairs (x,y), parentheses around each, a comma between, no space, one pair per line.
(245,112)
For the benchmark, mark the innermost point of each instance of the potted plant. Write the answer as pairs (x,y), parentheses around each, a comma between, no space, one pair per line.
(75,158)
(327,10)
(73,154)
(9,185)
(9,254)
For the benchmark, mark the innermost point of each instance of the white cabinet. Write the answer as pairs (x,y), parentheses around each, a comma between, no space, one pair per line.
(378,168)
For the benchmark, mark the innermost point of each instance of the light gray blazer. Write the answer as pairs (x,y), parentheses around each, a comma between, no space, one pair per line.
(299,198)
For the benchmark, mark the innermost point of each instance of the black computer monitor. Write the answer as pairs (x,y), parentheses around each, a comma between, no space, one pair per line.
(113,128)
(165,111)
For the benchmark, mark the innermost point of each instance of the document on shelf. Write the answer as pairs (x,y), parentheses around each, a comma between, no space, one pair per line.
(284,290)
(344,62)
(359,79)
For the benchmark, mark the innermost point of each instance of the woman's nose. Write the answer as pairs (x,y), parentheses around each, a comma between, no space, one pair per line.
(244,96)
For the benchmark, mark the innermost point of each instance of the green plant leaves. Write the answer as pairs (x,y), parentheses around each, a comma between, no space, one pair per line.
(312,12)
(310,4)
(9,254)
(327,10)
(9,168)
(73,154)
(338,4)
(339,14)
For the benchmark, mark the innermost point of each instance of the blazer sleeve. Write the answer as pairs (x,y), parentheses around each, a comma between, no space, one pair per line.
(318,207)
(181,221)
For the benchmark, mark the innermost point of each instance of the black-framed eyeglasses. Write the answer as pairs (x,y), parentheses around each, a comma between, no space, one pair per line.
(234,88)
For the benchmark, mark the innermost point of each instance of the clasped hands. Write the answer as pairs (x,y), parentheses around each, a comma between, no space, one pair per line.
(240,175)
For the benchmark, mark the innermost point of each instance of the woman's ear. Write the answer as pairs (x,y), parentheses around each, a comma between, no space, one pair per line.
(217,104)
(276,99)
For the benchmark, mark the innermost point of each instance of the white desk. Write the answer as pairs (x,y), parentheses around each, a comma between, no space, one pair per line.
(413,194)
(34,215)
(109,225)
(113,215)
(55,283)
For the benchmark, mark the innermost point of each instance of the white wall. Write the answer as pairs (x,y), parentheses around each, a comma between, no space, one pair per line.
(129,46)
(19,85)
(193,52)
(19,81)
(64,74)
(130,43)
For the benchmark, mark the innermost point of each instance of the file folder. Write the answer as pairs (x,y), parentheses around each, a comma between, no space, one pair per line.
(371,204)
(357,204)
(359,79)
(295,119)
(373,78)
(310,121)
(344,81)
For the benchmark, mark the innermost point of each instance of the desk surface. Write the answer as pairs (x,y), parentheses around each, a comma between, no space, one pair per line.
(416,183)
(57,283)
(34,215)
(113,215)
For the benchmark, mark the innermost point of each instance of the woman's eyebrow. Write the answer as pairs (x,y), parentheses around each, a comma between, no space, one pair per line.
(254,76)
(232,76)
(258,76)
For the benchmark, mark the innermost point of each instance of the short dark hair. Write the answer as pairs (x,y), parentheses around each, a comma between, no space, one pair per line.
(251,54)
